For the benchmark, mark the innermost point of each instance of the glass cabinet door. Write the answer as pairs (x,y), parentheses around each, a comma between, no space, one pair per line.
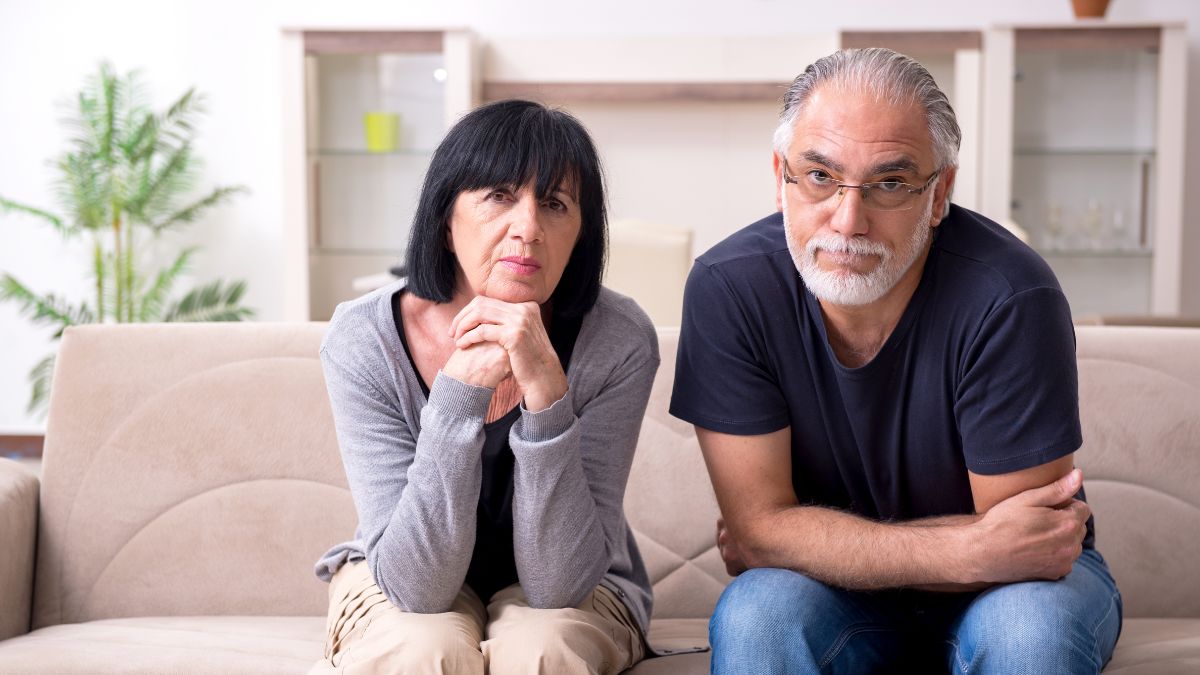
(1084,169)
(376,106)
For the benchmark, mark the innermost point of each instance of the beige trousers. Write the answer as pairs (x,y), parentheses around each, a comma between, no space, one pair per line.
(366,633)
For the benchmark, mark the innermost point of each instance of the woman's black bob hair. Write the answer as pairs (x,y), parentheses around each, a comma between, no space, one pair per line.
(509,144)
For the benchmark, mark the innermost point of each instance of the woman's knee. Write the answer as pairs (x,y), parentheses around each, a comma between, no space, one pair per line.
(559,641)
(399,642)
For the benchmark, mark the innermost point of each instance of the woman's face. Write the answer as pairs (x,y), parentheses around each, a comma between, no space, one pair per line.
(510,245)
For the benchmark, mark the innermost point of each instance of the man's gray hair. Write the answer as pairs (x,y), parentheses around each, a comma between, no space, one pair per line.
(891,78)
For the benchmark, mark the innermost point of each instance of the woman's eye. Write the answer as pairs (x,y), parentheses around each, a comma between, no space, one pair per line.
(555,205)
(819,177)
(497,195)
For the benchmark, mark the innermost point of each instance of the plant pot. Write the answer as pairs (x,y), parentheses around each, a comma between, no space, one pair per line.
(1090,9)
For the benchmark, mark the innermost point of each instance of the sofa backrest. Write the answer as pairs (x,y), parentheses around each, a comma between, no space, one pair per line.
(193,469)
(1139,392)
(670,505)
(189,469)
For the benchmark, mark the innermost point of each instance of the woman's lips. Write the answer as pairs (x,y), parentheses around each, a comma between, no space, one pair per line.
(520,265)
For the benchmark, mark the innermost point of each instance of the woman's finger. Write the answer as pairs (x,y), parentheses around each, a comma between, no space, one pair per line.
(482,310)
(484,332)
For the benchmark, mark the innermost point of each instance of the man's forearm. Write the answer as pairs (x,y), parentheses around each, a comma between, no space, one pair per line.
(852,552)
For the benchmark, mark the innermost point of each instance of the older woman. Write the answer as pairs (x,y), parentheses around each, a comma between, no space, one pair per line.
(487,409)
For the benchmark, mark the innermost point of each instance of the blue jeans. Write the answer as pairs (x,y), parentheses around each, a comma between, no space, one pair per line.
(779,621)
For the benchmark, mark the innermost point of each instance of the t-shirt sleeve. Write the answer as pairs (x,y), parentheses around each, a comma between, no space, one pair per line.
(1017,402)
(722,382)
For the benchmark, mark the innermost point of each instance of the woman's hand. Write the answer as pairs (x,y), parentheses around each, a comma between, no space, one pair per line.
(483,365)
(518,330)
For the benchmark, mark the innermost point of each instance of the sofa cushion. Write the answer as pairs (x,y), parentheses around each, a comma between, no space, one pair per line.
(179,644)
(189,470)
(1158,646)
(1139,402)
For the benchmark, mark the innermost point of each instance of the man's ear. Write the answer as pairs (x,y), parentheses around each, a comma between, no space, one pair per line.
(941,195)
(777,167)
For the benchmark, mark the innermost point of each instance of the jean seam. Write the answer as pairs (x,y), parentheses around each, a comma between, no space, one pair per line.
(962,665)
(836,648)
(1095,629)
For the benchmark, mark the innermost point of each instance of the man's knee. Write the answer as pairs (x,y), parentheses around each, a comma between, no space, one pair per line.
(764,609)
(1033,627)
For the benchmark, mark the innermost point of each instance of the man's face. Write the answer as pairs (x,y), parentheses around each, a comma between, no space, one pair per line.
(848,253)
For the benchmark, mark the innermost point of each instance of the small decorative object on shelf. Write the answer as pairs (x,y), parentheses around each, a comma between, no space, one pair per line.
(1090,9)
(382,130)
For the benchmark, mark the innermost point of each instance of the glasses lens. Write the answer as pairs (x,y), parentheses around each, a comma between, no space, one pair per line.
(816,189)
(887,196)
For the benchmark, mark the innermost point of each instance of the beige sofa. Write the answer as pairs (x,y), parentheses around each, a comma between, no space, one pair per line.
(192,477)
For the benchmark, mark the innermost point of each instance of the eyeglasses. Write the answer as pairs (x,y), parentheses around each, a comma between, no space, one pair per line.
(890,195)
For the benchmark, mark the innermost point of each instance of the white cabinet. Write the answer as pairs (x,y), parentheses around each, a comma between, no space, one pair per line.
(1083,148)
(366,110)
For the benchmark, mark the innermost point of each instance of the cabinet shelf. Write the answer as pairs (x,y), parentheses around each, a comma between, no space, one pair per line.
(343,251)
(1084,152)
(357,152)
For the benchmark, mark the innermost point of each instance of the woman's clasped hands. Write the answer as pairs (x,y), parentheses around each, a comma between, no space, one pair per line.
(494,340)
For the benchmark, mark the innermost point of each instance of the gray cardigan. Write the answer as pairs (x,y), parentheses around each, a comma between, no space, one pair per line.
(414,465)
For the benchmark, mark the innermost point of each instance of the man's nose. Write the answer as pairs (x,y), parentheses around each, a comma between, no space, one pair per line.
(849,212)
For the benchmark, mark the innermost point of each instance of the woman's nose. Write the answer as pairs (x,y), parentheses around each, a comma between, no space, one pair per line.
(526,223)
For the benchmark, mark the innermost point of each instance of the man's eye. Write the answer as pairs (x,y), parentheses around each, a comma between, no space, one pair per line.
(890,185)
(818,177)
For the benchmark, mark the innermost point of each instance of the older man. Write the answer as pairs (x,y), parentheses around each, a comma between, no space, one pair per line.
(889,431)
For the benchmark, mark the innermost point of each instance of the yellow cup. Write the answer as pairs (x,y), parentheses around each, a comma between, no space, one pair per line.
(383,131)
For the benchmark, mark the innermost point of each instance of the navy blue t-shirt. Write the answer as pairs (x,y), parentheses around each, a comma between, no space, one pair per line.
(979,373)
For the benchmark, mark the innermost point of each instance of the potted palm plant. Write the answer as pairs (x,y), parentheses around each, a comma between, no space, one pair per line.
(121,184)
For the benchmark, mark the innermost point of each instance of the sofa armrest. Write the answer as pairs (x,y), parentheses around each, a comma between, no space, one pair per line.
(19,489)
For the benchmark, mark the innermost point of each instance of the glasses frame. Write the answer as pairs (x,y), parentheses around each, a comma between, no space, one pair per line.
(865,187)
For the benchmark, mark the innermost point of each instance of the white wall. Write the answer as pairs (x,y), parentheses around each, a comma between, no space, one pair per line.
(230,51)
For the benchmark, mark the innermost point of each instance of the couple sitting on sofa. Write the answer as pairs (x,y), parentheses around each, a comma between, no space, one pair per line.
(883,386)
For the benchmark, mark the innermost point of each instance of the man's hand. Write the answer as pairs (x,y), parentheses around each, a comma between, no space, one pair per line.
(730,553)
(1035,534)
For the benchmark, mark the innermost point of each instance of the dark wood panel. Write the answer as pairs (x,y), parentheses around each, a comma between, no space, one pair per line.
(635,92)
(1062,39)
(21,445)
(372,42)
(914,42)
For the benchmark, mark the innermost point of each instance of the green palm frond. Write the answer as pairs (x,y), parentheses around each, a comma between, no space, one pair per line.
(46,309)
(178,124)
(41,377)
(190,212)
(82,192)
(157,186)
(152,301)
(9,206)
(211,302)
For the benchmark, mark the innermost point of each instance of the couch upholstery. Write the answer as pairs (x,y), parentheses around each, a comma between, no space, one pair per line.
(191,478)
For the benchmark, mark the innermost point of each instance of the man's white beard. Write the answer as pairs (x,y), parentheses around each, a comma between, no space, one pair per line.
(847,287)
